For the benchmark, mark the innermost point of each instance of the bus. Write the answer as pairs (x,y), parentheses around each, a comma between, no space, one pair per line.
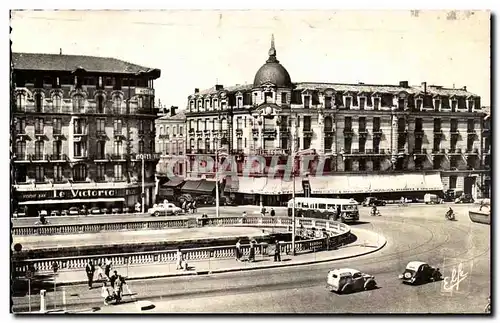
(344,210)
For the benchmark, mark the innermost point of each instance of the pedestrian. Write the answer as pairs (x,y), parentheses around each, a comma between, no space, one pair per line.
(138,207)
(105,293)
(107,267)
(277,251)
(251,256)
(179,259)
(238,250)
(273,213)
(113,279)
(244,214)
(184,206)
(100,272)
(194,207)
(90,269)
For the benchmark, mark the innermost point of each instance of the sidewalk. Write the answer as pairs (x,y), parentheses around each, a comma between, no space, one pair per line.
(367,242)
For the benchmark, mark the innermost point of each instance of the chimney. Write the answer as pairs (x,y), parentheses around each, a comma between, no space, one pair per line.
(172,110)
(424,86)
(219,87)
(60,51)
(403,83)
(196,90)
(465,88)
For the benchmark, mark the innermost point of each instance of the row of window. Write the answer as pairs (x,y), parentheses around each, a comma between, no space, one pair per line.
(165,130)
(79,173)
(171,148)
(79,149)
(339,99)
(79,126)
(117,82)
(78,103)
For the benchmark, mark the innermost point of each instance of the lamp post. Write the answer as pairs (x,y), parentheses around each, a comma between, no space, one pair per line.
(216,179)
(143,188)
(293,186)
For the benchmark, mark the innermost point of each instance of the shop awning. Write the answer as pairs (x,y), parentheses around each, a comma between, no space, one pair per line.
(206,187)
(174,182)
(272,186)
(359,184)
(74,201)
(191,186)
(343,184)
(251,185)
(232,184)
(287,187)
(433,182)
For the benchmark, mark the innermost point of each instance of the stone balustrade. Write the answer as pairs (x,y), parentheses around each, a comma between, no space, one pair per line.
(337,234)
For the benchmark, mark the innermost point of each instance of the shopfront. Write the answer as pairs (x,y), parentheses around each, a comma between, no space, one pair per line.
(106,200)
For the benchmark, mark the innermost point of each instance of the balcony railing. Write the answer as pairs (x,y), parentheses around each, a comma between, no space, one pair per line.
(21,157)
(80,132)
(39,132)
(81,156)
(38,157)
(58,157)
(164,136)
(101,133)
(418,151)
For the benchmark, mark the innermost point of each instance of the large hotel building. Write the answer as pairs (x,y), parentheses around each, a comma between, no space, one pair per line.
(391,140)
(80,128)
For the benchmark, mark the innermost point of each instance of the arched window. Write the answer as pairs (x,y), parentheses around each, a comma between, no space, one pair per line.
(57,103)
(21,101)
(224,124)
(207,144)
(78,105)
(141,147)
(117,104)
(161,130)
(167,129)
(100,104)
(38,102)
(191,144)
(80,172)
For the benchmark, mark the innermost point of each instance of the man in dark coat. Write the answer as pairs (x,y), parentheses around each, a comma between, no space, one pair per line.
(277,251)
(90,269)
(273,213)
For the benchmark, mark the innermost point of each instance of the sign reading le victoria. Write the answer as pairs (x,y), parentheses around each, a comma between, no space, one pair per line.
(77,193)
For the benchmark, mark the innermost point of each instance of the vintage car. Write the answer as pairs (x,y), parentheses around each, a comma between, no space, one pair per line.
(432,199)
(74,210)
(371,201)
(346,280)
(55,213)
(164,209)
(418,272)
(95,210)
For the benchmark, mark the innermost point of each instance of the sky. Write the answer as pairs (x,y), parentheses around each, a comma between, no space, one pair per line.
(198,49)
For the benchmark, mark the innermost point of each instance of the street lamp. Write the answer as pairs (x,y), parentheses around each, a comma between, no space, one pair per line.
(293,184)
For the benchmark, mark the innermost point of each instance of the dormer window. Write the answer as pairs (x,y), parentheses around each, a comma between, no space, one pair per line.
(216,105)
(191,106)
(268,97)
(207,104)
(239,102)
(362,102)
(419,103)
(437,105)
(200,105)
(401,104)
(328,102)
(223,105)
(307,101)
(471,104)
(453,105)
(348,101)
(376,103)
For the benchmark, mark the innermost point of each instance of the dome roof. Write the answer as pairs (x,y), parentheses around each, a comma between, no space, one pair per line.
(272,71)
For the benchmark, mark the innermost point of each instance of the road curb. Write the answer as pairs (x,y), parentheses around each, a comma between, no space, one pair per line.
(227,270)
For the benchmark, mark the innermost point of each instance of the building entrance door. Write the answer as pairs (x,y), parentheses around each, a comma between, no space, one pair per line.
(469,183)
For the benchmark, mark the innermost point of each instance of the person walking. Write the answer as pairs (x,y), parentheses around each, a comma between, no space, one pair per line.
(277,251)
(113,279)
(179,259)
(238,250)
(273,213)
(90,269)
(251,256)
(107,267)
(194,207)
(100,273)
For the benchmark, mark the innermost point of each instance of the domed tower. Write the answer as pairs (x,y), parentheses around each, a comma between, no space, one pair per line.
(272,71)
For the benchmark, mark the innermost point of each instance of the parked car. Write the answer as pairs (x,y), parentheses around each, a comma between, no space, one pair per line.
(164,209)
(95,210)
(371,201)
(125,210)
(65,212)
(74,210)
(432,199)
(346,280)
(115,210)
(55,213)
(104,210)
(19,213)
(464,198)
(418,272)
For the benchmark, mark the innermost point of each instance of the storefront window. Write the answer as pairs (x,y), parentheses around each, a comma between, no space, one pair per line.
(80,173)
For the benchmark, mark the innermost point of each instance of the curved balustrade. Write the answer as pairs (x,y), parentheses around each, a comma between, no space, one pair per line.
(338,234)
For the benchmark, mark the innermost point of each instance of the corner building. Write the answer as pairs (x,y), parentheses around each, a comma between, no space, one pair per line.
(80,127)
(359,139)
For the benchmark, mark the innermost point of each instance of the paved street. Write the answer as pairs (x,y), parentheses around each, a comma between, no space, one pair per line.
(413,233)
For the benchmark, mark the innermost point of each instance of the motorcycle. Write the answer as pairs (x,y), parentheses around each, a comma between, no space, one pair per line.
(450,216)
(375,213)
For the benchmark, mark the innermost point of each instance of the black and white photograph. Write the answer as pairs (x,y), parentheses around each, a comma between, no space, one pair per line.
(250,162)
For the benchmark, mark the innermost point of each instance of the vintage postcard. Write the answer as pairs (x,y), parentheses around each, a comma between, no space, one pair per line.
(257,161)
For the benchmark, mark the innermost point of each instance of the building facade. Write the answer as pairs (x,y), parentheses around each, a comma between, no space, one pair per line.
(171,145)
(357,137)
(81,127)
